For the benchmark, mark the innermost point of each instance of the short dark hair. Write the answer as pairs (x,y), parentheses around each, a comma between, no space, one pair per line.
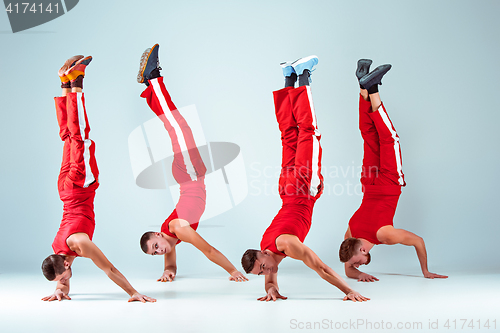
(53,265)
(348,247)
(248,259)
(144,240)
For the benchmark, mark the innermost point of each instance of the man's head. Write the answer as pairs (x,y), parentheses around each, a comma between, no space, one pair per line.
(258,262)
(56,268)
(155,243)
(353,252)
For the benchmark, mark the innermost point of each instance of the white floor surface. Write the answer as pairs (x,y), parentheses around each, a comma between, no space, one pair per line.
(464,302)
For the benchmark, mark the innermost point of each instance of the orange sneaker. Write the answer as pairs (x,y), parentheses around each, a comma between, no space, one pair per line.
(67,64)
(78,68)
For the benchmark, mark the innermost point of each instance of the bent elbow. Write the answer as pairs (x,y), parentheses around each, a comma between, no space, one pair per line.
(322,270)
(212,253)
(111,270)
(419,240)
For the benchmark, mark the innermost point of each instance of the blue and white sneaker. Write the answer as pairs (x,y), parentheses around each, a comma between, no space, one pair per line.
(302,64)
(149,62)
(287,68)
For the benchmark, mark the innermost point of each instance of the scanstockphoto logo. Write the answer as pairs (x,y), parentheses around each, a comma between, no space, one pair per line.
(25,15)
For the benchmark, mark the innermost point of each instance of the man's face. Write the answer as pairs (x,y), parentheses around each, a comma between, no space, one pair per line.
(158,245)
(64,276)
(360,258)
(264,265)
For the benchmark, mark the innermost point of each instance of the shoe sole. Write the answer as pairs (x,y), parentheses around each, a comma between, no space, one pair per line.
(285,64)
(303,60)
(144,62)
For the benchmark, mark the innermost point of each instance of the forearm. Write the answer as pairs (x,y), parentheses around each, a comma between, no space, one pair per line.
(333,278)
(171,268)
(218,258)
(270,285)
(118,278)
(352,272)
(63,287)
(422,255)
(271,281)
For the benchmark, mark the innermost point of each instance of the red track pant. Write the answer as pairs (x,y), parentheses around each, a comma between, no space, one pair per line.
(79,167)
(301,157)
(188,168)
(382,163)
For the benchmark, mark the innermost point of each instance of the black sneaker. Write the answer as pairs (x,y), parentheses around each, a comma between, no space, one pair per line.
(150,64)
(374,77)
(363,68)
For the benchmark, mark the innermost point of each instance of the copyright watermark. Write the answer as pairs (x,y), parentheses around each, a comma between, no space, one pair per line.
(366,324)
(338,180)
(26,14)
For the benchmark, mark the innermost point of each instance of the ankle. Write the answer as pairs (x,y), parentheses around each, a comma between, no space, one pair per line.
(77,83)
(375,100)
(373,89)
(290,80)
(364,94)
(65,91)
(304,78)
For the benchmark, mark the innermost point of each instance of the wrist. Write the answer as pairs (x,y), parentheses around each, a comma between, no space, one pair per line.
(348,291)
(270,287)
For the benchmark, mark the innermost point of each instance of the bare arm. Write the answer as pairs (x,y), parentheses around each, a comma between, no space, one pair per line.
(61,292)
(400,236)
(81,244)
(187,234)
(272,290)
(354,273)
(294,248)
(170,269)
(351,271)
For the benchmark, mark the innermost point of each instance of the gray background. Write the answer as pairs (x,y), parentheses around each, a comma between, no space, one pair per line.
(223,56)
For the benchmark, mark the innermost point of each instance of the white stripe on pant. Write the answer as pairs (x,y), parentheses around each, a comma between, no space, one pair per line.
(315,180)
(89,177)
(178,132)
(397,152)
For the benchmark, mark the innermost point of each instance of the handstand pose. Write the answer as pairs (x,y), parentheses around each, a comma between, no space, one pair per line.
(78,181)
(300,185)
(382,178)
(188,170)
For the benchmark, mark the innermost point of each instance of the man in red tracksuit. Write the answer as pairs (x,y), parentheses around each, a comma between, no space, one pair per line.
(382,178)
(300,185)
(77,183)
(188,170)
